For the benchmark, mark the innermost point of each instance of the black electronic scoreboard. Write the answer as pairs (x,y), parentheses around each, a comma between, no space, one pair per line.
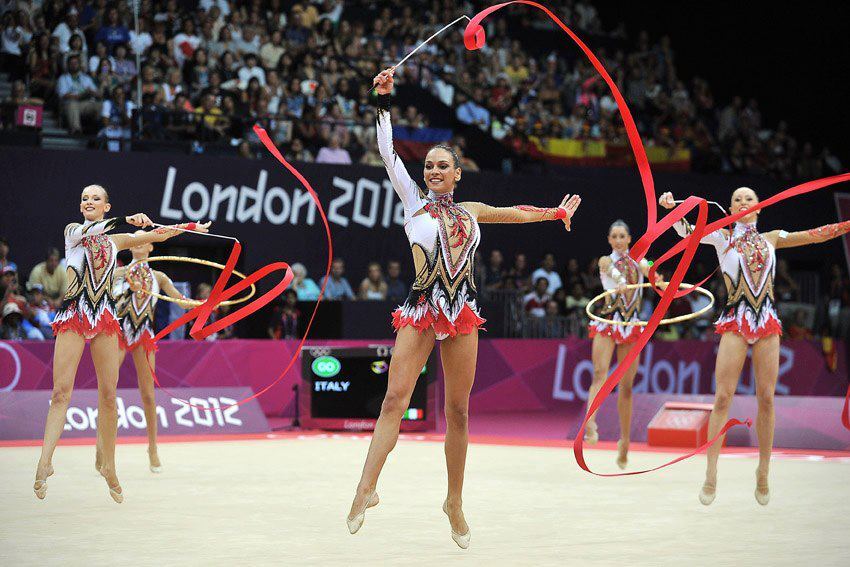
(343,388)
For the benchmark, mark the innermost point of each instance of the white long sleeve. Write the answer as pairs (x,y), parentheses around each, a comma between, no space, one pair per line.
(683,228)
(75,232)
(411,196)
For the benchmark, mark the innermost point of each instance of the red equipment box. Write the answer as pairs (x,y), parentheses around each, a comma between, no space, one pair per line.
(679,424)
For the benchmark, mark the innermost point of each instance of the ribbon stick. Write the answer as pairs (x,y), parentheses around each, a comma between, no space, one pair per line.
(719,206)
(189,231)
(201,314)
(418,47)
(475,38)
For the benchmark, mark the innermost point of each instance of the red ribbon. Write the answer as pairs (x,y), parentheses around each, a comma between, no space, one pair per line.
(200,314)
(474,38)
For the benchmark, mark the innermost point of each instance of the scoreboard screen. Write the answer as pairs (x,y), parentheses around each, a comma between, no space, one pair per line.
(347,386)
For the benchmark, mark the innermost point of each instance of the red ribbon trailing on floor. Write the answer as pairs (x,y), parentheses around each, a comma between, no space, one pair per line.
(201,314)
(474,38)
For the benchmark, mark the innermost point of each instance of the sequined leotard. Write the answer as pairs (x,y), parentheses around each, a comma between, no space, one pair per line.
(443,240)
(136,309)
(748,264)
(88,307)
(621,307)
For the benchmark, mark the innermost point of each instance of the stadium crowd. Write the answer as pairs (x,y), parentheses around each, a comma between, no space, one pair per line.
(207,70)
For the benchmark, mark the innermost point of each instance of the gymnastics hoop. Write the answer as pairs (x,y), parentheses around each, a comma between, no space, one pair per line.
(678,319)
(202,263)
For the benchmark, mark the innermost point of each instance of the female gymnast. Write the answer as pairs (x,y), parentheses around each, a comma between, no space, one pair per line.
(88,314)
(134,284)
(616,271)
(442,305)
(748,263)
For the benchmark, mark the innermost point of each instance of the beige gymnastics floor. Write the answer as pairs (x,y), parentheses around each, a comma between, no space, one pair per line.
(283,502)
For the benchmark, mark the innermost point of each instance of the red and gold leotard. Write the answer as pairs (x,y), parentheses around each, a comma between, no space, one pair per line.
(88,307)
(748,264)
(136,308)
(443,240)
(621,307)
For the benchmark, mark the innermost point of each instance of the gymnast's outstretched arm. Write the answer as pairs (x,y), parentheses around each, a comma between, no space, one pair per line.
(524,213)
(783,239)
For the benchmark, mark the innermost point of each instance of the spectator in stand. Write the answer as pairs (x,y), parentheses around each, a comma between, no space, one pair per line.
(576,301)
(296,33)
(590,277)
(535,302)
(495,273)
(337,287)
(373,287)
(198,71)
(11,295)
(396,289)
(284,320)
(272,50)
(66,29)
(185,42)
(77,46)
(518,276)
(8,279)
(208,121)
(333,153)
(43,65)
(547,270)
(554,325)
(51,277)
(572,273)
(472,112)
(79,96)
(501,95)
(124,69)
(113,32)
(248,43)
(173,87)
(42,312)
(371,156)
(101,52)
(305,287)
(297,152)
(5,262)
(784,286)
(251,70)
(12,328)
(117,113)
(13,41)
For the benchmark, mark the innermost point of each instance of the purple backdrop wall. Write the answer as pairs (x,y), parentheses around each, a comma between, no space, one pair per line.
(512,375)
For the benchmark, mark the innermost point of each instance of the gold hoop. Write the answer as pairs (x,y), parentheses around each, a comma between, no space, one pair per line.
(202,263)
(670,321)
